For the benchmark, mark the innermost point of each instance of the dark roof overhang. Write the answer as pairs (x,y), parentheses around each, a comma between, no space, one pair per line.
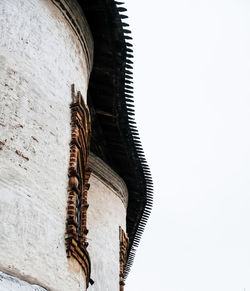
(115,138)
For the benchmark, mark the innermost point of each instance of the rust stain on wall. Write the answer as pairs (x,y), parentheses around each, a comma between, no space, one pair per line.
(21,155)
(34,138)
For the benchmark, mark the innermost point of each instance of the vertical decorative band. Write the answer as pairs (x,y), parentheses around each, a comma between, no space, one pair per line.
(78,173)
(124,241)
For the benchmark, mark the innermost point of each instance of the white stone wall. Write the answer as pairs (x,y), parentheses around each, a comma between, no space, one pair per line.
(10,283)
(106,213)
(40,57)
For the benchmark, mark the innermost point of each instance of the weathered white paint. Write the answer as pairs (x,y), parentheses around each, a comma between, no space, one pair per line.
(40,57)
(109,178)
(10,283)
(106,213)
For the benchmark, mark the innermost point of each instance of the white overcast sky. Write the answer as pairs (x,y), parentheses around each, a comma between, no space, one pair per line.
(192,91)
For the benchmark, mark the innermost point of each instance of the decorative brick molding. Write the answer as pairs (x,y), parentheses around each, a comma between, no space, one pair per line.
(124,241)
(79,173)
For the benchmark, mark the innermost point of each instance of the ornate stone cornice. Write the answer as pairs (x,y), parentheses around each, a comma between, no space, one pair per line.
(109,177)
(75,16)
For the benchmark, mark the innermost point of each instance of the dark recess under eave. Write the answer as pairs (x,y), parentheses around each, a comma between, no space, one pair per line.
(114,135)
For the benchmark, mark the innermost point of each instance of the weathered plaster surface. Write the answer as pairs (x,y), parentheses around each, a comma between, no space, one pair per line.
(106,213)
(75,16)
(40,57)
(109,178)
(10,283)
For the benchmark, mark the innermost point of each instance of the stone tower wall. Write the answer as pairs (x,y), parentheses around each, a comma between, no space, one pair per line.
(41,56)
(45,47)
(107,198)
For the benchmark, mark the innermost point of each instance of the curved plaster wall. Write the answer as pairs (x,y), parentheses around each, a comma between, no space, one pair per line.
(10,283)
(40,57)
(107,198)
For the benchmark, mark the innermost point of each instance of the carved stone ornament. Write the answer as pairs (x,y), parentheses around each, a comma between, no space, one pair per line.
(78,173)
(124,241)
